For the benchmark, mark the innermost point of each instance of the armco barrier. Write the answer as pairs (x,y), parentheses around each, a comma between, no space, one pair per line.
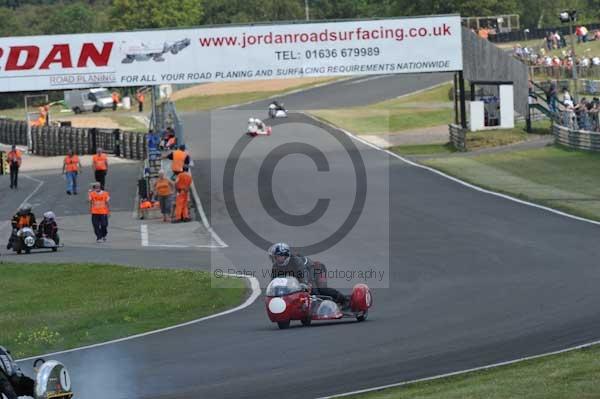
(577,139)
(458,137)
(55,140)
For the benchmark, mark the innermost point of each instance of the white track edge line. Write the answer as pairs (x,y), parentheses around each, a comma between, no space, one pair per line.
(367,79)
(474,187)
(144,233)
(454,373)
(256,291)
(435,86)
(40,184)
(204,219)
(455,179)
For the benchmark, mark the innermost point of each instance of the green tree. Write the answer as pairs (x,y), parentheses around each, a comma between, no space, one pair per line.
(9,24)
(338,9)
(244,11)
(149,14)
(72,18)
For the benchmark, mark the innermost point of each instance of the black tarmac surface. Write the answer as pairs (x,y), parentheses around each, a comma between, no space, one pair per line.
(470,278)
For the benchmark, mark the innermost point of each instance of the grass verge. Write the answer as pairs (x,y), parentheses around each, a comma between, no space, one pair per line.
(495,138)
(128,123)
(574,374)
(52,307)
(553,176)
(425,109)
(589,49)
(475,141)
(204,103)
(423,149)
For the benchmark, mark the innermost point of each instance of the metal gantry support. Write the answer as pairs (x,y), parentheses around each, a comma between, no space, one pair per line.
(463,107)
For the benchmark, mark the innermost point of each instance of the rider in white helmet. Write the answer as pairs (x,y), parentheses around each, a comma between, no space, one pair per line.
(286,264)
(48,227)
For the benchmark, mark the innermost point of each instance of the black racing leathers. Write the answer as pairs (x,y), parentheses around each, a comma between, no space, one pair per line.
(19,221)
(303,268)
(13,383)
(48,228)
(6,387)
(17,385)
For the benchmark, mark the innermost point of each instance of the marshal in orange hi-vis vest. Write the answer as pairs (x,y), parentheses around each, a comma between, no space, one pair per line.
(178,160)
(72,163)
(99,202)
(100,161)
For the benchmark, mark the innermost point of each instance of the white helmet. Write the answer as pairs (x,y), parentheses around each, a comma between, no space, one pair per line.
(49,215)
(251,120)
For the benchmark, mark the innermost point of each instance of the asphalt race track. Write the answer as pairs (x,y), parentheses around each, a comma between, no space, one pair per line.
(473,278)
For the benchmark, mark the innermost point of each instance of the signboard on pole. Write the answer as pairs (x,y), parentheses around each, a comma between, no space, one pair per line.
(408,45)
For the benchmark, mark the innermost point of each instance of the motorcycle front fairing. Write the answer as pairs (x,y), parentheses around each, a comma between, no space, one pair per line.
(286,300)
(24,239)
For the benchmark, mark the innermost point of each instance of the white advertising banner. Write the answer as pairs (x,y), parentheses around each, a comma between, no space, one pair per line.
(429,44)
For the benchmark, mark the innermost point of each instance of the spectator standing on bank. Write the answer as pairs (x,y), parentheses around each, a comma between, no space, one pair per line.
(99,209)
(164,189)
(552,97)
(549,41)
(100,167)
(182,185)
(115,99)
(140,99)
(71,168)
(567,95)
(15,158)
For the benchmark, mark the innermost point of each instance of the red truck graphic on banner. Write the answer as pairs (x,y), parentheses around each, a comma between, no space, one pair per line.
(141,51)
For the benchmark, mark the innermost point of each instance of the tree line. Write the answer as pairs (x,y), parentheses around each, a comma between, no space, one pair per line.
(39,17)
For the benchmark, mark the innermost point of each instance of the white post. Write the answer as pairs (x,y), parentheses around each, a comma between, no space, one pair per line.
(507,108)
(306,11)
(476,116)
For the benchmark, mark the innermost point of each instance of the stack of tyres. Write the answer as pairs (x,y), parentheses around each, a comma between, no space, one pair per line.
(3,163)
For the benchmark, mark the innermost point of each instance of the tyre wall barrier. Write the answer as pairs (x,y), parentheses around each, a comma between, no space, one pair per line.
(57,140)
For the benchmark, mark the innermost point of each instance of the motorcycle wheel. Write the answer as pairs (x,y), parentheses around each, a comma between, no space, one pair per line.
(283,324)
(54,249)
(306,322)
(363,316)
